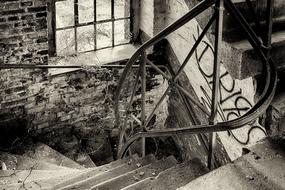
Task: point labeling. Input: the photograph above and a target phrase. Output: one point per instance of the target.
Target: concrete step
(19, 162)
(52, 179)
(173, 177)
(43, 152)
(232, 30)
(262, 168)
(18, 179)
(242, 62)
(81, 157)
(95, 171)
(134, 176)
(97, 178)
(275, 115)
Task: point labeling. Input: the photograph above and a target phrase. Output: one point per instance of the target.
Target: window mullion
(76, 23)
(95, 25)
(113, 21)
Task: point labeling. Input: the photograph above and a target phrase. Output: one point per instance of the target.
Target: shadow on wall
(13, 132)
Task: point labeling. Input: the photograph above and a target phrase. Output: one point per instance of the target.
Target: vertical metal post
(51, 20)
(216, 80)
(143, 90)
(113, 21)
(269, 22)
(95, 24)
(76, 22)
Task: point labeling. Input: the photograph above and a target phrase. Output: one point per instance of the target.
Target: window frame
(51, 18)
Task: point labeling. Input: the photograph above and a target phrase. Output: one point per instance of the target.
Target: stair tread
(19, 162)
(262, 169)
(241, 61)
(277, 38)
(233, 32)
(142, 173)
(174, 177)
(93, 171)
(40, 151)
(12, 179)
(94, 177)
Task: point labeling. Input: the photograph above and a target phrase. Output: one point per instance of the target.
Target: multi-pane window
(87, 25)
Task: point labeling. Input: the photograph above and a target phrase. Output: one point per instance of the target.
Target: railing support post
(143, 91)
(269, 22)
(216, 80)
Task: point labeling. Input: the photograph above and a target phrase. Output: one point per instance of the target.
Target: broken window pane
(122, 31)
(85, 38)
(65, 42)
(103, 9)
(64, 13)
(104, 35)
(86, 11)
(122, 8)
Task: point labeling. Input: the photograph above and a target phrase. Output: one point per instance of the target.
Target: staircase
(128, 173)
(262, 166)
(239, 56)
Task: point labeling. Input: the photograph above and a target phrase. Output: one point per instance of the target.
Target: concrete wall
(147, 17)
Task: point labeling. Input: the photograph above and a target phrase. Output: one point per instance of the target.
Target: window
(88, 25)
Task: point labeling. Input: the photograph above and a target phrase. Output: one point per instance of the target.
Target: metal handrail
(258, 109)
(168, 30)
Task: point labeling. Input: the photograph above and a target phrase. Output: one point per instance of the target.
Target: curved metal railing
(252, 114)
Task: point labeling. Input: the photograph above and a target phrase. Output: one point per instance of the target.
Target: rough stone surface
(262, 168)
(275, 117)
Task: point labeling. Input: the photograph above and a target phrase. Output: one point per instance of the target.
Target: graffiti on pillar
(228, 90)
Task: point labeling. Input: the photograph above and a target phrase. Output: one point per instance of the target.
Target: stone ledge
(99, 57)
(241, 61)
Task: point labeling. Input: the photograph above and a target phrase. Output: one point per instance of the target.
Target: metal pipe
(196, 102)
(76, 22)
(123, 128)
(269, 23)
(216, 80)
(200, 38)
(156, 107)
(33, 66)
(143, 90)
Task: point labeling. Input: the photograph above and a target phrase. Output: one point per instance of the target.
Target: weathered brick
(26, 4)
(28, 30)
(43, 14)
(37, 9)
(42, 40)
(43, 52)
(27, 17)
(28, 55)
(2, 19)
(12, 6)
(12, 12)
(13, 18)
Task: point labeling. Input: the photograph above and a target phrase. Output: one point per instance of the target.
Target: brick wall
(23, 31)
(75, 111)
(72, 112)
(23, 40)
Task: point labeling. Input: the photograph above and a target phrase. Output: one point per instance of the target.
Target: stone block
(242, 62)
